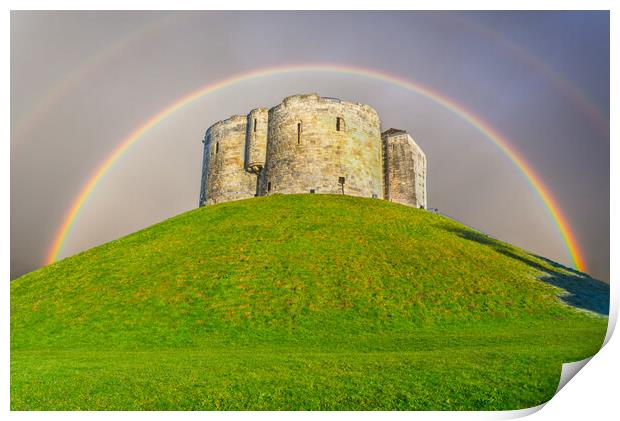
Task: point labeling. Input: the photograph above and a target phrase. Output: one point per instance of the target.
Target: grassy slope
(298, 302)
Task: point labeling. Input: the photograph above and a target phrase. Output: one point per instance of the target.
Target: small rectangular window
(312, 191)
(254, 125)
(217, 147)
(269, 186)
(298, 133)
(338, 124)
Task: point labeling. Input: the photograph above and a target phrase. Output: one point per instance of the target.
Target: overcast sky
(82, 81)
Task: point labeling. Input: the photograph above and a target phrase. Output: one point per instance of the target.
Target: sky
(81, 82)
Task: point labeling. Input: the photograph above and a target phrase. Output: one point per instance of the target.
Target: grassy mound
(300, 302)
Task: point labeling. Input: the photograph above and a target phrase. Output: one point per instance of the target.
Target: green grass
(300, 302)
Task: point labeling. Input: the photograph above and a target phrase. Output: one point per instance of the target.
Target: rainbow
(60, 88)
(553, 210)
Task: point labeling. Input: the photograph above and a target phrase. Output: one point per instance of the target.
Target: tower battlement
(311, 144)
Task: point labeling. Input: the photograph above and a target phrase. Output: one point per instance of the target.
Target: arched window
(339, 124)
(298, 133)
(269, 186)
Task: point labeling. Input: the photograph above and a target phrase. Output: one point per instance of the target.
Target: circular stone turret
(256, 143)
(323, 145)
(225, 158)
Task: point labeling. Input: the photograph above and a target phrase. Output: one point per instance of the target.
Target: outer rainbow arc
(58, 90)
(552, 208)
(573, 93)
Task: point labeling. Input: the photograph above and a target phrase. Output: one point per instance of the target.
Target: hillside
(300, 302)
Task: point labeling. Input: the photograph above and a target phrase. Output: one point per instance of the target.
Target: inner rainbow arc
(542, 191)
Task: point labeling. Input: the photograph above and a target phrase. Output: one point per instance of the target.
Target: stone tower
(256, 140)
(311, 144)
(323, 145)
(224, 175)
(404, 169)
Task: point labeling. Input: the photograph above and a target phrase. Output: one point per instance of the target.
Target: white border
(592, 393)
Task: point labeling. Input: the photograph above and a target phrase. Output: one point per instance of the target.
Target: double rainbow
(553, 210)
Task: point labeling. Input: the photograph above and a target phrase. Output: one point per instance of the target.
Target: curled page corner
(569, 370)
(611, 322)
(519, 413)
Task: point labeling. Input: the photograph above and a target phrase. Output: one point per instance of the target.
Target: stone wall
(225, 150)
(314, 144)
(404, 166)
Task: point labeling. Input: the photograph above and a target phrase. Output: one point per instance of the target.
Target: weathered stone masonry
(404, 169)
(311, 144)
